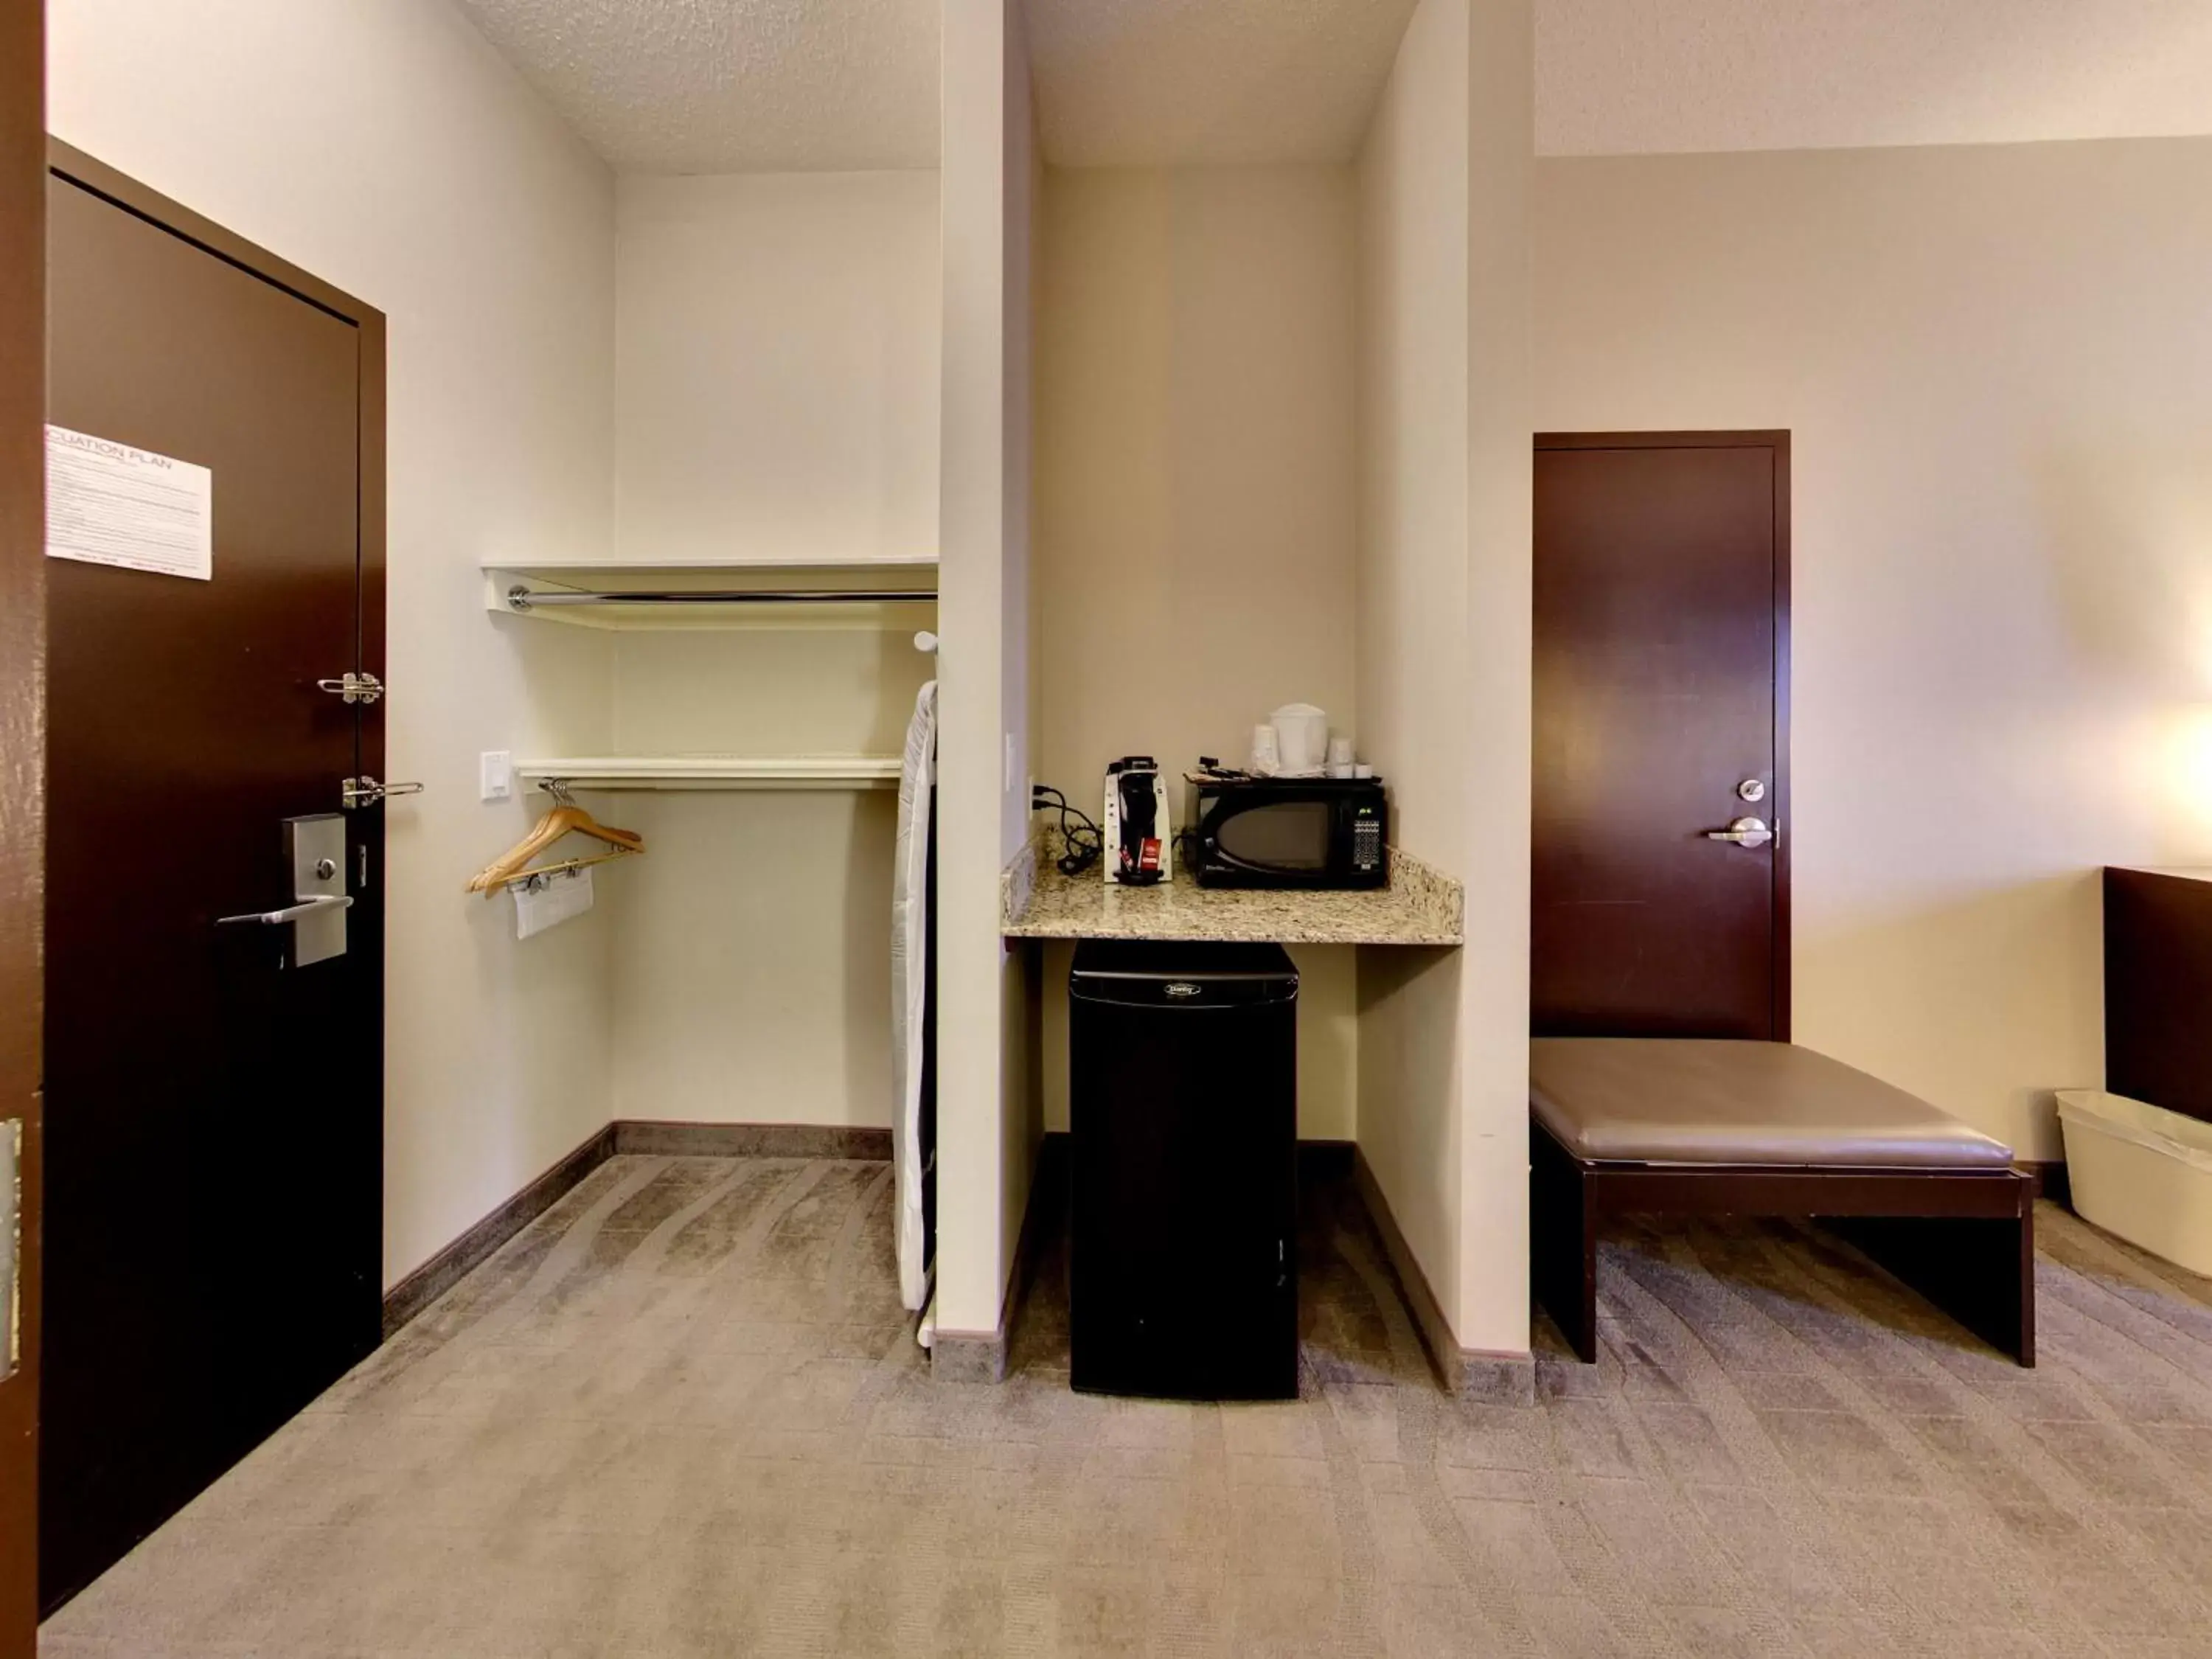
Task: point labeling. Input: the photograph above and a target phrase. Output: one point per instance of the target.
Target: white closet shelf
(816, 772)
(722, 593)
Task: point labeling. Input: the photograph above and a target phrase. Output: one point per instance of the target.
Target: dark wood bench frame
(1965, 1239)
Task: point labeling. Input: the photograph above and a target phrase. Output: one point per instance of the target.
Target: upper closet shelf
(863, 593)
(812, 772)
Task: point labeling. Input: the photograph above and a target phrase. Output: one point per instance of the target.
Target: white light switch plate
(495, 773)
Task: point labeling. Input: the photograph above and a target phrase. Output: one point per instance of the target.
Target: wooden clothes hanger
(566, 818)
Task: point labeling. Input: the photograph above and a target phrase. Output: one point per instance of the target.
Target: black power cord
(1085, 842)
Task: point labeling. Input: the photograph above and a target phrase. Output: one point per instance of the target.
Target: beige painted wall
(777, 349)
(1412, 615)
(330, 135)
(1196, 467)
(1444, 642)
(751, 958)
(1196, 503)
(1492, 1313)
(777, 384)
(751, 947)
(1996, 364)
(987, 1124)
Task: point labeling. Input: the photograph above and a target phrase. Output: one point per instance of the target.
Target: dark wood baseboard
(955, 1356)
(1466, 1373)
(651, 1138)
(969, 1356)
(419, 1289)
(1327, 1160)
(626, 1137)
(981, 1356)
(2051, 1180)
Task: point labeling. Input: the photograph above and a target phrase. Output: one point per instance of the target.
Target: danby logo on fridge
(1180, 987)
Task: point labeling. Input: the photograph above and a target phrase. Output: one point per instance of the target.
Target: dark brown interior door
(1661, 661)
(22, 631)
(214, 1123)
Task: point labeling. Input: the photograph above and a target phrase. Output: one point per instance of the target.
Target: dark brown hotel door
(22, 633)
(1659, 859)
(214, 1022)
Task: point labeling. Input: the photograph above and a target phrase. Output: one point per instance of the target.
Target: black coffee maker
(1140, 842)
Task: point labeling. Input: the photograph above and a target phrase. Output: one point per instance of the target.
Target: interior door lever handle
(306, 907)
(1744, 832)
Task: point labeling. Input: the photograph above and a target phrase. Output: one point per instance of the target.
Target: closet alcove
(776, 372)
(1184, 407)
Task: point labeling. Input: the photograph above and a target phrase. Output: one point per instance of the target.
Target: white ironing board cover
(910, 990)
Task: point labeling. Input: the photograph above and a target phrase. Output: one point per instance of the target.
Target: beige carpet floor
(682, 1415)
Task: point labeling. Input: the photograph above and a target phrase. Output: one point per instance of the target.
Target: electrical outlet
(495, 775)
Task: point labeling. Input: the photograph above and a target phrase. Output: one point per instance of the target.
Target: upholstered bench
(1686, 1126)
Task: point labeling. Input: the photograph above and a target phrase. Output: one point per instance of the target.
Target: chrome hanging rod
(520, 597)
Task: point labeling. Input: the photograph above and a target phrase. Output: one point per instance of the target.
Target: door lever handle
(306, 907)
(1744, 832)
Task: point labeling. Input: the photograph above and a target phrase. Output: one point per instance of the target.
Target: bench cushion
(1695, 1101)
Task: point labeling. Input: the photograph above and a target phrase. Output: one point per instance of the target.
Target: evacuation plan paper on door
(107, 503)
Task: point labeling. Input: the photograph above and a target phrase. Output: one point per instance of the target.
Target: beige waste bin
(2142, 1172)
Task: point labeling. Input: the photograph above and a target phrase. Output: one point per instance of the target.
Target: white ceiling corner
(1208, 82)
(731, 86)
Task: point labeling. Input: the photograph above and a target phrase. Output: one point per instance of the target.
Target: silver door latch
(1744, 832)
(354, 688)
(315, 845)
(368, 792)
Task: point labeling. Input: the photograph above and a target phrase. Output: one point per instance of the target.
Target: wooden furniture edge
(1894, 1215)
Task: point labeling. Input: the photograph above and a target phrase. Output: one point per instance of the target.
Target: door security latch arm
(353, 688)
(368, 792)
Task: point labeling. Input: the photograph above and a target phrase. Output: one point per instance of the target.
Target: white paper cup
(1267, 759)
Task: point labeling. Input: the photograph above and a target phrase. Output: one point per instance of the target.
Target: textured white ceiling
(1633, 75)
(731, 86)
(1157, 82)
(728, 86)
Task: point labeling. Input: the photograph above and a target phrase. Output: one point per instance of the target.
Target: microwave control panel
(1367, 839)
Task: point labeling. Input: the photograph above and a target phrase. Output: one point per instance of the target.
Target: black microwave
(1289, 832)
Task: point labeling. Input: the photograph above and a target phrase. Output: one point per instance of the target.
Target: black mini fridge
(1182, 1255)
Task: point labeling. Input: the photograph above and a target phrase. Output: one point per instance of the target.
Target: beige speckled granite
(1421, 906)
(1019, 877)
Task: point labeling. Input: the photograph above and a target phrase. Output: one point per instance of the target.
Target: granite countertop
(1421, 906)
